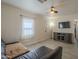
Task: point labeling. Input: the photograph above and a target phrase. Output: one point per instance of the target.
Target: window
(27, 28)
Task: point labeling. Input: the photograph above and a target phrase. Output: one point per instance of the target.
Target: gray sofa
(40, 53)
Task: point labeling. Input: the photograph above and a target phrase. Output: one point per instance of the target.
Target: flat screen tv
(64, 24)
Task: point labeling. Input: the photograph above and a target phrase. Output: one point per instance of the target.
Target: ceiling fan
(53, 7)
(53, 10)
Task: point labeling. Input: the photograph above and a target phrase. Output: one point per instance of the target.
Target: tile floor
(69, 50)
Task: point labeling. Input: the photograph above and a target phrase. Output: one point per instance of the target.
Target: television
(64, 24)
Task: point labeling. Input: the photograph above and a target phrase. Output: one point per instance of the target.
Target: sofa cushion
(36, 53)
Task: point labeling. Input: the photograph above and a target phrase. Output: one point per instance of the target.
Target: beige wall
(70, 18)
(63, 19)
(11, 24)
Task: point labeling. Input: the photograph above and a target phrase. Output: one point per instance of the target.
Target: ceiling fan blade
(55, 11)
(59, 5)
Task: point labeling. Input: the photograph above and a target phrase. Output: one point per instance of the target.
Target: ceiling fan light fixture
(52, 8)
(52, 12)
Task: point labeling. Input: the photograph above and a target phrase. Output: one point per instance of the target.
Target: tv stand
(64, 37)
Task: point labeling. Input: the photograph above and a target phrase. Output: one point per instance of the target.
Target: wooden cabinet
(64, 37)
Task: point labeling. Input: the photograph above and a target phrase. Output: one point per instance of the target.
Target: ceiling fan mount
(42, 1)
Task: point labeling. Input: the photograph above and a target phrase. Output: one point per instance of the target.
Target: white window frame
(30, 30)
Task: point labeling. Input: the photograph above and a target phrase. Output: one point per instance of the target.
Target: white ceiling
(64, 7)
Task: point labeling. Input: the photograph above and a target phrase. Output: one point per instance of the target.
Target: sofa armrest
(55, 54)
